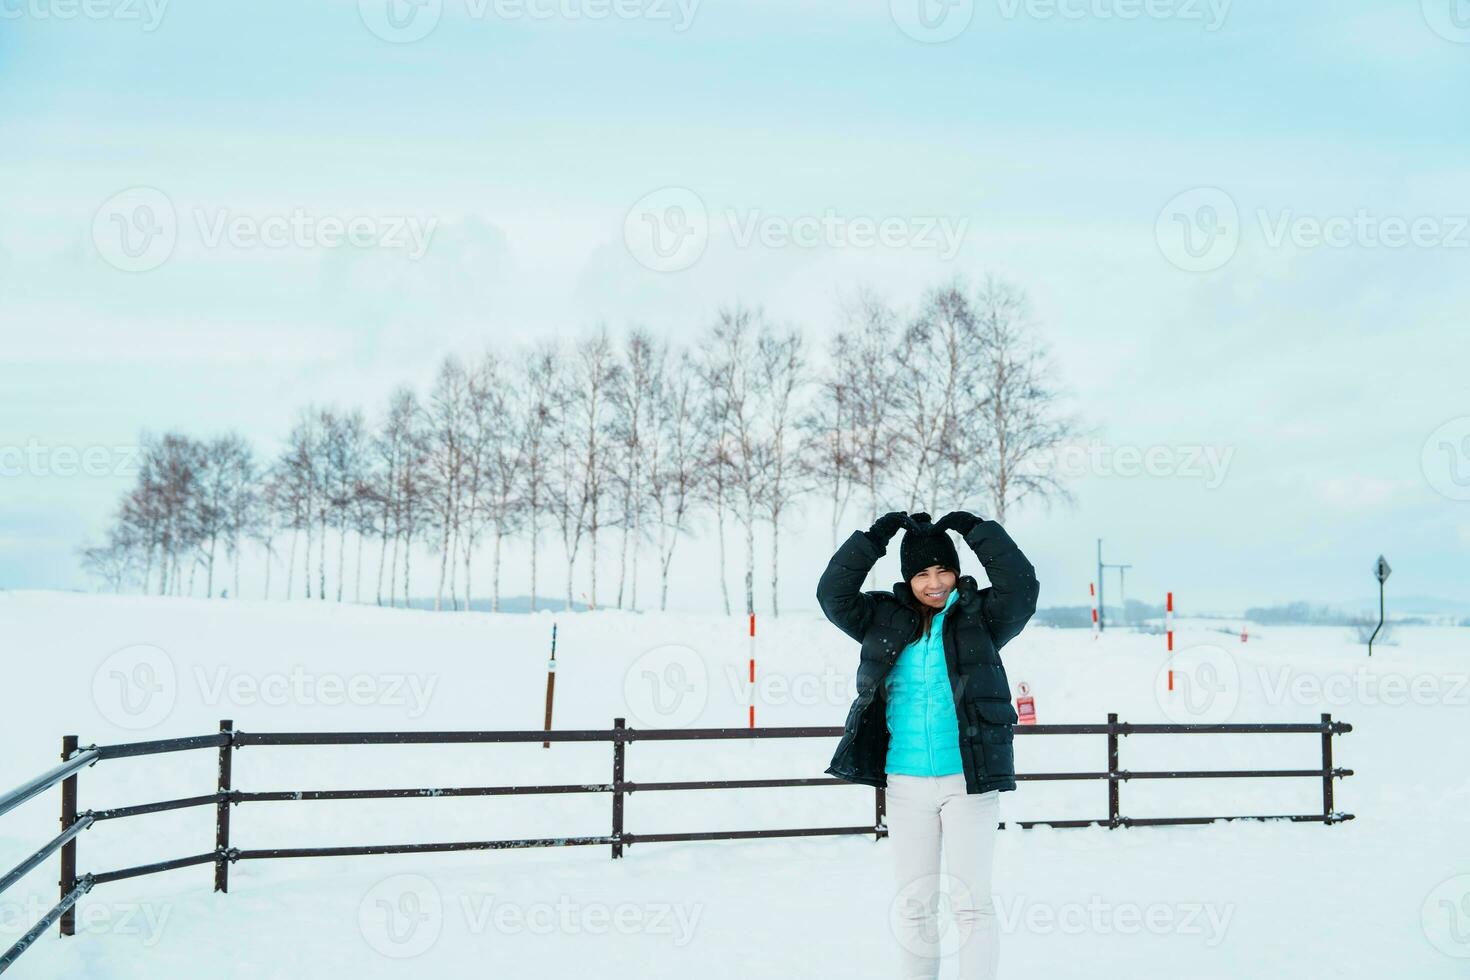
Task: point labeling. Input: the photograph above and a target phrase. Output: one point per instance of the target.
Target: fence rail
(227, 741)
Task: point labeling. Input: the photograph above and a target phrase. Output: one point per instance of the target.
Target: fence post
(1113, 816)
(879, 808)
(1327, 769)
(617, 793)
(69, 849)
(222, 810)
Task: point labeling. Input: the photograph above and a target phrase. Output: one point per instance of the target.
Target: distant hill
(508, 604)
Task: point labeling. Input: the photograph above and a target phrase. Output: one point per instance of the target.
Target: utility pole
(1101, 566)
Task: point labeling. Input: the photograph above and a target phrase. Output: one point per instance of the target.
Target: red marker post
(1169, 632)
(750, 613)
(1092, 591)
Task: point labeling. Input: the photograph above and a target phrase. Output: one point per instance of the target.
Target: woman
(932, 719)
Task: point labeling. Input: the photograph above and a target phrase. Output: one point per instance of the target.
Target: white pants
(927, 815)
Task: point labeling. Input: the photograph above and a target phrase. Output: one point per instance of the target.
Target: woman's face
(932, 586)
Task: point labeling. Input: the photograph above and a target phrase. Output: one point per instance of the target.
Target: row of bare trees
(627, 436)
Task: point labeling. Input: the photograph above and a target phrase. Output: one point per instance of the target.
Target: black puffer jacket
(980, 622)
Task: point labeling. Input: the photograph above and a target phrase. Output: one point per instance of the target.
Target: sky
(1242, 228)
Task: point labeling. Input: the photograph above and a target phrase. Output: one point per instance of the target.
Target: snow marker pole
(550, 682)
(750, 613)
(1092, 591)
(1169, 632)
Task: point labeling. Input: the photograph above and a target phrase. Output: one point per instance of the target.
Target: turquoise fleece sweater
(923, 734)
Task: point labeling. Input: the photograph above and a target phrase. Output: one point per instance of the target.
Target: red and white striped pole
(1169, 632)
(750, 613)
(752, 669)
(1092, 591)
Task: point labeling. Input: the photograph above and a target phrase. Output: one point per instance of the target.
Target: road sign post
(1381, 571)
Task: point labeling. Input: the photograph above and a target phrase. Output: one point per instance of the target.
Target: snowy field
(1384, 895)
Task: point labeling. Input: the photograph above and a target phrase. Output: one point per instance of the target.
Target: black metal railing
(228, 741)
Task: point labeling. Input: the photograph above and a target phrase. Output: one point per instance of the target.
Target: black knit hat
(927, 545)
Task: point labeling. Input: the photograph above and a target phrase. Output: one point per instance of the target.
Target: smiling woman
(941, 740)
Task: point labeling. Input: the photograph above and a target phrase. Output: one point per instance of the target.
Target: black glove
(960, 521)
(885, 527)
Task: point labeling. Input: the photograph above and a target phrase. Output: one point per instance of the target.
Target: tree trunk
(270, 539)
(290, 566)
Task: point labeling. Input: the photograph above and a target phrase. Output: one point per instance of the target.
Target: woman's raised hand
(885, 527)
(960, 521)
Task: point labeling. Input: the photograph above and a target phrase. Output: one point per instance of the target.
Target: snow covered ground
(1384, 895)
